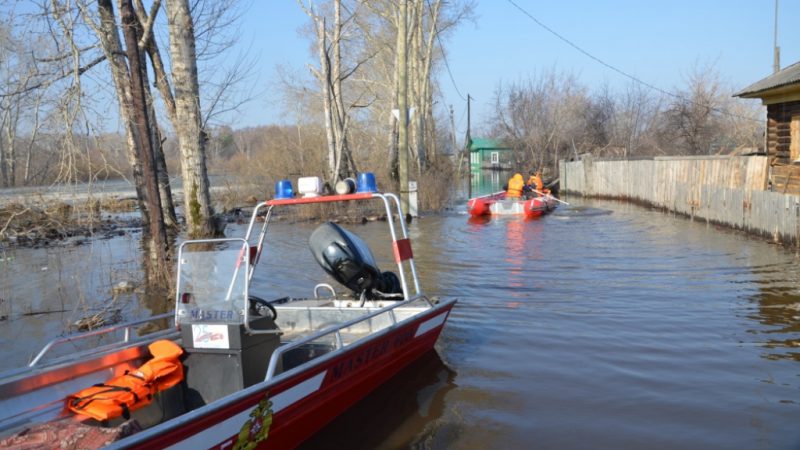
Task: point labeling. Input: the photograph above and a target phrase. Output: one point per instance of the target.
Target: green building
(485, 153)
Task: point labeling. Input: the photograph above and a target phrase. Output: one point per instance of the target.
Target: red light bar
(321, 199)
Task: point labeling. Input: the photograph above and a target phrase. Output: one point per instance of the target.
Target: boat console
(227, 337)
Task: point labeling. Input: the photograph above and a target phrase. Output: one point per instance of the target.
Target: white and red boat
(256, 373)
(499, 204)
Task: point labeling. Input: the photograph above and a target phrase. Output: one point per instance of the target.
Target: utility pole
(402, 105)
(468, 145)
(776, 65)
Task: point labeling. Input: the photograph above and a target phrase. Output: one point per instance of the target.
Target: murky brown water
(603, 325)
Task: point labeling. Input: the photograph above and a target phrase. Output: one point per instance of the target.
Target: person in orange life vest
(515, 186)
(536, 183)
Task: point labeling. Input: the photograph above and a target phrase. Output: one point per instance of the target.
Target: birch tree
(188, 119)
(428, 21)
(330, 77)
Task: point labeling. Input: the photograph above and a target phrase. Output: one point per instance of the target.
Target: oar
(548, 194)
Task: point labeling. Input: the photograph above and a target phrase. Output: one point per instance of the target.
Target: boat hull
(499, 205)
(293, 408)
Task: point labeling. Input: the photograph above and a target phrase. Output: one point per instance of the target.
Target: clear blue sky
(657, 41)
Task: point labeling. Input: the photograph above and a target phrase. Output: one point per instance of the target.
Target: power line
(620, 71)
(444, 55)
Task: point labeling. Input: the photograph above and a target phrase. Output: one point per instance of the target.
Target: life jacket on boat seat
(133, 389)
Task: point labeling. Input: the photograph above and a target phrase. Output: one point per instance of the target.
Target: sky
(658, 42)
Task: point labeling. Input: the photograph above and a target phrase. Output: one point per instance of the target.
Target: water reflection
(488, 181)
(401, 413)
(779, 310)
(601, 323)
(46, 291)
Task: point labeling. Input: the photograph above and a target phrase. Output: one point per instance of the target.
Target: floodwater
(602, 325)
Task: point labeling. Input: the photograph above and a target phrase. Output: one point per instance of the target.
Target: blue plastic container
(366, 182)
(283, 189)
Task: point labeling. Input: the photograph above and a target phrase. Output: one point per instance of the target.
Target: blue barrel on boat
(366, 182)
(283, 189)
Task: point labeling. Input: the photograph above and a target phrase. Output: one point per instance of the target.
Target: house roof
(485, 144)
(781, 79)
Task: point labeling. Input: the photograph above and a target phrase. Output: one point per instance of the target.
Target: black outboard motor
(347, 258)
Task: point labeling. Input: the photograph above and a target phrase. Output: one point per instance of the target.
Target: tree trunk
(324, 78)
(11, 145)
(110, 42)
(426, 97)
(31, 141)
(394, 169)
(157, 231)
(3, 178)
(188, 124)
(3, 167)
(164, 188)
(343, 150)
(162, 83)
(402, 103)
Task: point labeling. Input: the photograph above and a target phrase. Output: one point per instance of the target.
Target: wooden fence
(730, 191)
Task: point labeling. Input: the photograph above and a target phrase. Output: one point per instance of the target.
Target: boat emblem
(256, 429)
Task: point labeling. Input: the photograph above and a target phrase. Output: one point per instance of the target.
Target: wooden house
(487, 153)
(780, 92)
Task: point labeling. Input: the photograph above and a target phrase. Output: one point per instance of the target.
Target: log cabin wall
(780, 145)
(783, 146)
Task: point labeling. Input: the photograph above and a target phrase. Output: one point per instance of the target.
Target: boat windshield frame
(222, 287)
(248, 256)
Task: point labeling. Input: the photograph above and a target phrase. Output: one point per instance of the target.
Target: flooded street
(602, 325)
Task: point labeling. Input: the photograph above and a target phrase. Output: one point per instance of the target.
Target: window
(496, 157)
(794, 139)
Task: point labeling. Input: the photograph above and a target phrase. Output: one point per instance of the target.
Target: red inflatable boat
(498, 204)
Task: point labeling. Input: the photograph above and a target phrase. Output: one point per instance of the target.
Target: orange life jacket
(133, 389)
(515, 185)
(536, 182)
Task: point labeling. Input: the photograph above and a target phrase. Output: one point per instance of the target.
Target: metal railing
(127, 337)
(336, 330)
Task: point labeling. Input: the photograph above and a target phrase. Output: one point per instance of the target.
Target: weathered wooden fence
(730, 191)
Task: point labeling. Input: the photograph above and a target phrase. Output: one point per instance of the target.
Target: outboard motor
(347, 258)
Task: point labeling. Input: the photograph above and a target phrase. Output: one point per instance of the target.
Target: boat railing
(401, 246)
(126, 327)
(336, 330)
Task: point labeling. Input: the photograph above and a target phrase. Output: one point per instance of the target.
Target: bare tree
(188, 119)
(428, 21)
(703, 118)
(141, 118)
(539, 117)
(330, 75)
(693, 115)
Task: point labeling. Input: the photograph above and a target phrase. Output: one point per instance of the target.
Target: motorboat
(246, 369)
